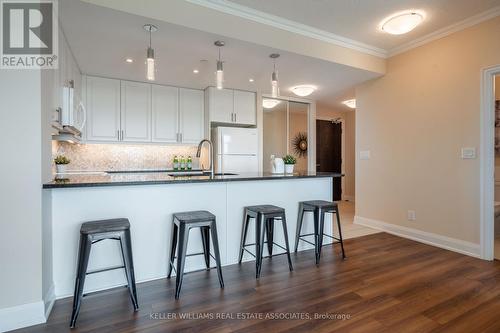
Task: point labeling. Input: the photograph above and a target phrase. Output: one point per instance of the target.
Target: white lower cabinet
(191, 114)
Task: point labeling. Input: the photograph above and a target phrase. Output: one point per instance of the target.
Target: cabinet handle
(122, 135)
(235, 117)
(118, 134)
(180, 137)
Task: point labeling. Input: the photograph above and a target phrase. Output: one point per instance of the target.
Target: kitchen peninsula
(149, 199)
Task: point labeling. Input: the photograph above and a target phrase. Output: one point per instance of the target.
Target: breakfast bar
(149, 199)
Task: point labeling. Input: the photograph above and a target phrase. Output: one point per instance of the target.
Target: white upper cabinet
(191, 112)
(221, 105)
(165, 108)
(135, 111)
(231, 106)
(103, 109)
(244, 107)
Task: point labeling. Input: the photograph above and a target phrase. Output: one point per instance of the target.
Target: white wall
(21, 195)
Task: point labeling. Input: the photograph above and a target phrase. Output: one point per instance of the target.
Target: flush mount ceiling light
(303, 90)
(150, 54)
(275, 90)
(350, 103)
(196, 71)
(402, 22)
(219, 75)
(129, 60)
(269, 103)
(250, 80)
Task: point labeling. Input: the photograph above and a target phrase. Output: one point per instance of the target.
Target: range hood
(69, 120)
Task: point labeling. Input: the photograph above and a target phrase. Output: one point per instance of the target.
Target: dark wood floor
(387, 284)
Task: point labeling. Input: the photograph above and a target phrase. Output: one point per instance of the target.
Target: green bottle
(183, 163)
(189, 163)
(176, 163)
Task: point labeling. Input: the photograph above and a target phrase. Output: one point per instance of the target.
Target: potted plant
(289, 163)
(61, 162)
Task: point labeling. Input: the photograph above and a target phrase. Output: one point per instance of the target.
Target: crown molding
(232, 8)
(468, 22)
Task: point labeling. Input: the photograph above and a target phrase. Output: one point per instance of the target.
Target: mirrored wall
(285, 131)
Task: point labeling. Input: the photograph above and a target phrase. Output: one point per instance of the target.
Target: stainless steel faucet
(210, 152)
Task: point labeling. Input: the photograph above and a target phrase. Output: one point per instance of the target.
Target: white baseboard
(452, 244)
(22, 316)
(49, 299)
(349, 198)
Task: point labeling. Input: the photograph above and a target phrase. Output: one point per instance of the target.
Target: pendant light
(219, 75)
(275, 90)
(150, 54)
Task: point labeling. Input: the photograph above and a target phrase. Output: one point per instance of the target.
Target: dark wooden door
(329, 152)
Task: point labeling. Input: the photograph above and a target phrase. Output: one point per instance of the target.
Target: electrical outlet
(412, 215)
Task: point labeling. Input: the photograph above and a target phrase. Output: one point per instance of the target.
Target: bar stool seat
(265, 216)
(91, 233)
(319, 208)
(182, 223)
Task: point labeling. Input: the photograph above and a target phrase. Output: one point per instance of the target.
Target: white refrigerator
(235, 150)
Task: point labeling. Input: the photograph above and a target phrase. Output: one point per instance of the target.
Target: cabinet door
(103, 109)
(244, 107)
(191, 115)
(165, 109)
(135, 111)
(221, 105)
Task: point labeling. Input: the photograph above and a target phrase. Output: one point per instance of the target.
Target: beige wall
(415, 120)
(349, 118)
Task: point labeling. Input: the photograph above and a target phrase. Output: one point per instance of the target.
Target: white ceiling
(359, 19)
(102, 38)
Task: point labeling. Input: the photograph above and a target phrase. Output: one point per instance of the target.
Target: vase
(289, 168)
(61, 168)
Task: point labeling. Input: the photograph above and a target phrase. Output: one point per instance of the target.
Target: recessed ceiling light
(303, 90)
(196, 71)
(129, 60)
(250, 80)
(402, 22)
(350, 103)
(269, 103)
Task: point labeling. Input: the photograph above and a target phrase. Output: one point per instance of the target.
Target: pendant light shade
(219, 74)
(275, 90)
(150, 54)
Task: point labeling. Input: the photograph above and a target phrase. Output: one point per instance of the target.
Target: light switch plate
(364, 155)
(468, 153)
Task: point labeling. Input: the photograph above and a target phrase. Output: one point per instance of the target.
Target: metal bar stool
(265, 216)
(182, 224)
(319, 208)
(94, 232)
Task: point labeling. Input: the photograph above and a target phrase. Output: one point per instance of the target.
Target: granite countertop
(164, 177)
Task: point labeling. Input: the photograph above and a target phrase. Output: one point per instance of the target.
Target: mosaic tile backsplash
(107, 157)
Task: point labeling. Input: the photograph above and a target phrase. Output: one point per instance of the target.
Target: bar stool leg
(173, 245)
(285, 232)
(300, 218)
(215, 242)
(83, 261)
(126, 246)
(340, 233)
(316, 235)
(259, 242)
(321, 232)
(181, 258)
(270, 235)
(244, 230)
(205, 239)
